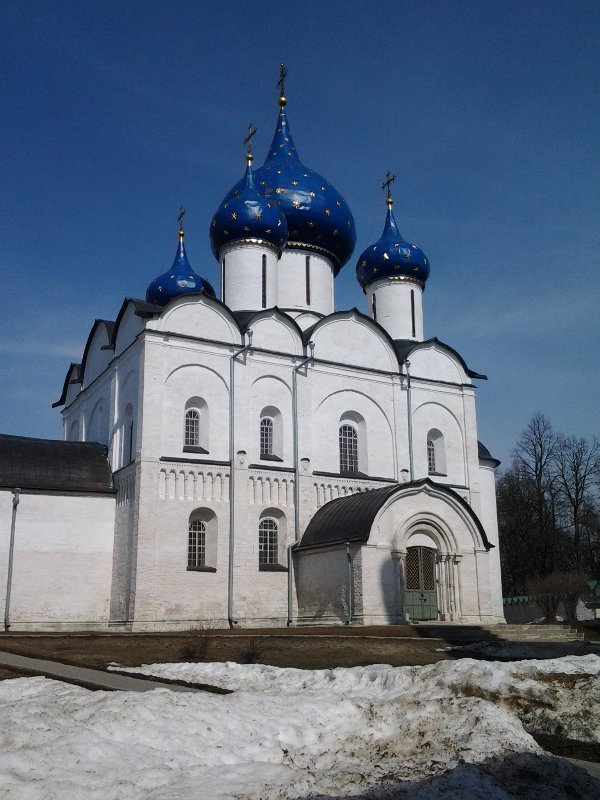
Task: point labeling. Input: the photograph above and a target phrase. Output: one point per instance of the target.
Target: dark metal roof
(485, 455)
(403, 348)
(54, 465)
(350, 519)
(73, 376)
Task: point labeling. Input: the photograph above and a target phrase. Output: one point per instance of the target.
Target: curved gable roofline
(404, 347)
(109, 327)
(245, 319)
(347, 314)
(141, 309)
(210, 300)
(351, 518)
(72, 376)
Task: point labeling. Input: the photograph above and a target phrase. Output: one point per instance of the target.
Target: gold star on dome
(294, 183)
(385, 255)
(279, 190)
(246, 228)
(278, 223)
(306, 174)
(225, 205)
(327, 212)
(262, 183)
(310, 223)
(322, 188)
(296, 203)
(268, 230)
(312, 194)
(233, 215)
(257, 213)
(338, 203)
(363, 263)
(273, 153)
(285, 139)
(226, 233)
(348, 223)
(335, 233)
(214, 223)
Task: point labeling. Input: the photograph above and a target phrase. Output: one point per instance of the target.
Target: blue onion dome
(392, 257)
(245, 215)
(318, 217)
(180, 279)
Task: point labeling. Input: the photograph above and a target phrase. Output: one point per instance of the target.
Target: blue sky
(116, 113)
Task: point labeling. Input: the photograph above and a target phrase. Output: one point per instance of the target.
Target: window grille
(348, 449)
(266, 436)
(430, 456)
(192, 428)
(268, 545)
(197, 543)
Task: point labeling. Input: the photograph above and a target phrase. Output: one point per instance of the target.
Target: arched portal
(420, 594)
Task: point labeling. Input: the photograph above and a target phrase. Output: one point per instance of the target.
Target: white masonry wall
(62, 566)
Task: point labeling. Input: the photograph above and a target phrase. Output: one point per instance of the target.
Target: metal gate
(420, 596)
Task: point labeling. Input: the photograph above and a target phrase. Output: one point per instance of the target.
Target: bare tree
(534, 456)
(577, 463)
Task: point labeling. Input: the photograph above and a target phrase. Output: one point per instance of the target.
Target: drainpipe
(290, 563)
(11, 550)
(349, 556)
(303, 363)
(234, 355)
(409, 414)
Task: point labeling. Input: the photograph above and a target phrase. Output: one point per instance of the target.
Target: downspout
(409, 415)
(11, 550)
(303, 363)
(234, 355)
(290, 564)
(290, 561)
(349, 556)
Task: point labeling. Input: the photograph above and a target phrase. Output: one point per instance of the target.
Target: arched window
(197, 544)
(436, 453)
(268, 542)
(348, 441)
(128, 448)
(430, 456)
(195, 426)
(202, 541)
(271, 434)
(192, 427)
(266, 437)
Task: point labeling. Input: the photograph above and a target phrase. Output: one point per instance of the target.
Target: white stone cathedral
(259, 459)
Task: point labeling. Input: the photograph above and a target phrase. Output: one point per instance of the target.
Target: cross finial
(281, 84)
(387, 184)
(180, 217)
(248, 141)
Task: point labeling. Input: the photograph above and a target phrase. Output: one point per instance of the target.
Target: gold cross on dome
(282, 76)
(387, 184)
(248, 141)
(180, 217)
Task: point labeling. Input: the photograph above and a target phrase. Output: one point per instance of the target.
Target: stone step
(511, 633)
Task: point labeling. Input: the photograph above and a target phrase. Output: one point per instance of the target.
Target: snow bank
(451, 729)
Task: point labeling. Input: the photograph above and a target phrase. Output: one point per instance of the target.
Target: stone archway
(421, 585)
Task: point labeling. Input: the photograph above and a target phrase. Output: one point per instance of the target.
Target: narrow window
(430, 457)
(264, 281)
(223, 280)
(307, 280)
(412, 311)
(192, 428)
(374, 306)
(266, 437)
(197, 544)
(348, 439)
(267, 542)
